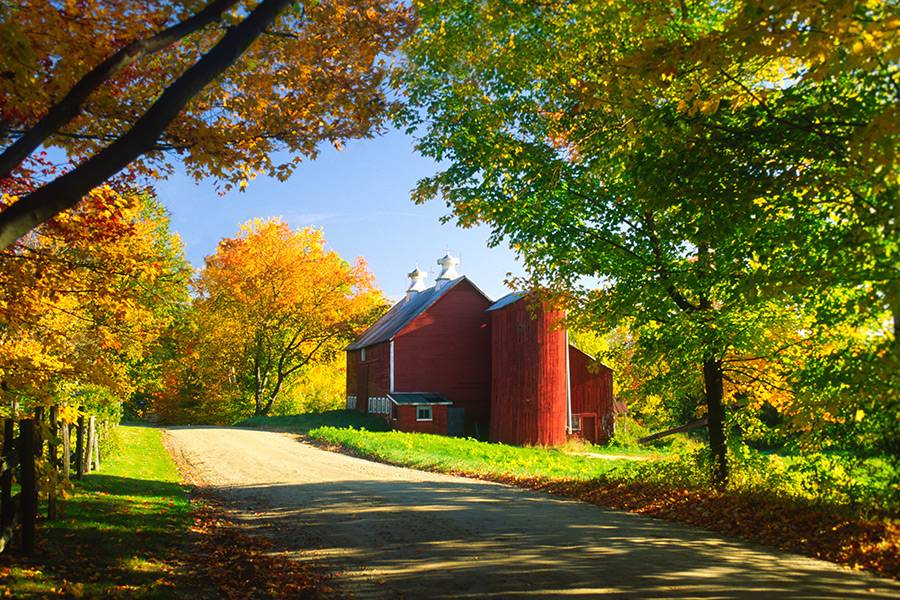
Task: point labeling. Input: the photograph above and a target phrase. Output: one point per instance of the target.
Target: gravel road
(398, 533)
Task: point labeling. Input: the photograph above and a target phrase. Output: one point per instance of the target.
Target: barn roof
(417, 398)
(402, 313)
(506, 301)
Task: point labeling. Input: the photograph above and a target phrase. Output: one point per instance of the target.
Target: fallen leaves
(239, 565)
(867, 544)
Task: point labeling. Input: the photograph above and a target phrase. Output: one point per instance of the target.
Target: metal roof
(401, 314)
(506, 301)
(418, 398)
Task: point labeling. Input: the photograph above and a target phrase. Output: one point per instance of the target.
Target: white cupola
(448, 265)
(417, 282)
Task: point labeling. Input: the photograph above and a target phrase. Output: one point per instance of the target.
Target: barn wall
(378, 369)
(592, 393)
(447, 350)
(528, 383)
(406, 420)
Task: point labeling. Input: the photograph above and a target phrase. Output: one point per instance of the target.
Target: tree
(680, 155)
(83, 297)
(223, 86)
(271, 302)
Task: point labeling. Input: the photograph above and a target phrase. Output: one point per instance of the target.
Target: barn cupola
(417, 282)
(448, 265)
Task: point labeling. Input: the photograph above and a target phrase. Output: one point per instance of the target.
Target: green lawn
(304, 423)
(459, 455)
(861, 487)
(118, 534)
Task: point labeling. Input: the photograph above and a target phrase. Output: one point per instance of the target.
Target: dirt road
(399, 533)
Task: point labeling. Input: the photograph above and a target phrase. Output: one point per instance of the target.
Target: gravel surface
(391, 532)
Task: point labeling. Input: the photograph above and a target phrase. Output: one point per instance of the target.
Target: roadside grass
(576, 446)
(117, 533)
(303, 423)
(131, 531)
(814, 510)
(467, 456)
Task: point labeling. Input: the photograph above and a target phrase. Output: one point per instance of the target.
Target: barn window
(362, 354)
(423, 413)
(576, 422)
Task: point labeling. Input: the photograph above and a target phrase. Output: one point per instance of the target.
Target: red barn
(528, 381)
(445, 360)
(426, 364)
(590, 382)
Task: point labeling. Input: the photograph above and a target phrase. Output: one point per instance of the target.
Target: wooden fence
(19, 462)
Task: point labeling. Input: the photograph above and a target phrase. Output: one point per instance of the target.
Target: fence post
(96, 431)
(29, 482)
(54, 462)
(79, 447)
(67, 450)
(6, 506)
(90, 444)
(38, 432)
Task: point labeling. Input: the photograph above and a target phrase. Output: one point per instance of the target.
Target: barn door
(455, 421)
(589, 428)
(362, 389)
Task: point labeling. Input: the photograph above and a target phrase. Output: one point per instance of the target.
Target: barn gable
(446, 349)
(403, 312)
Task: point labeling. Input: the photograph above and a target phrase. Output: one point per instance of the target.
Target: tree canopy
(85, 298)
(223, 85)
(271, 302)
(722, 177)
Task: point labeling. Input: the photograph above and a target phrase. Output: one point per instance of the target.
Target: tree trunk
(274, 395)
(712, 378)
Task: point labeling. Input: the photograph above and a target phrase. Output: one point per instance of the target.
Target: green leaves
(726, 172)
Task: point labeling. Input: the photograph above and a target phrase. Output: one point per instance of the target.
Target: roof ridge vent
(448, 264)
(417, 282)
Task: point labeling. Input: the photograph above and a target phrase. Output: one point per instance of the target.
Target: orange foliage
(77, 296)
(271, 303)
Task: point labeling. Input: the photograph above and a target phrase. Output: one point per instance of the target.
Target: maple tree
(271, 302)
(726, 171)
(84, 297)
(120, 85)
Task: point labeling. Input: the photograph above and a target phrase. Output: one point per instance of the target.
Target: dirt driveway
(398, 533)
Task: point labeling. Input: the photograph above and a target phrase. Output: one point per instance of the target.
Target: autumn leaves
(273, 307)
(97, 293)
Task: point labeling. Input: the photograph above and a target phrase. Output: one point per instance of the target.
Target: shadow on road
(471, 540)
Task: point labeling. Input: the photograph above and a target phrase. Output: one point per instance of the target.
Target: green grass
(118, 532)
(459, 455)
(304, 423)
(861, 488)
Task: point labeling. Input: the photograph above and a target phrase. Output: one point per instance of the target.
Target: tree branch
(70, 106)
(66, 191)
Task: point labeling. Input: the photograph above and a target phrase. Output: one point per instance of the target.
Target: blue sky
(360, 198)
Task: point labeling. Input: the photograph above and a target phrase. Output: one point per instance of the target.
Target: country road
(398, 533)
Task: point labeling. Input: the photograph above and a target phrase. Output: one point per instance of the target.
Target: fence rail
(18, 461)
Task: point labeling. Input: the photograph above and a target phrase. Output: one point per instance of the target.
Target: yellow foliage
(74, 300)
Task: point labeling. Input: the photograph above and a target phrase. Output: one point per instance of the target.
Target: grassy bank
(304, 423)
(466, 456)
(765, 503)
(130, 531)
(117, 533)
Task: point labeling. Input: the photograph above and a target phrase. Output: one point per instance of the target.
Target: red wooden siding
(591, 390)
(528, 383)
(447, 350)
(406, 420)
(377, 368)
